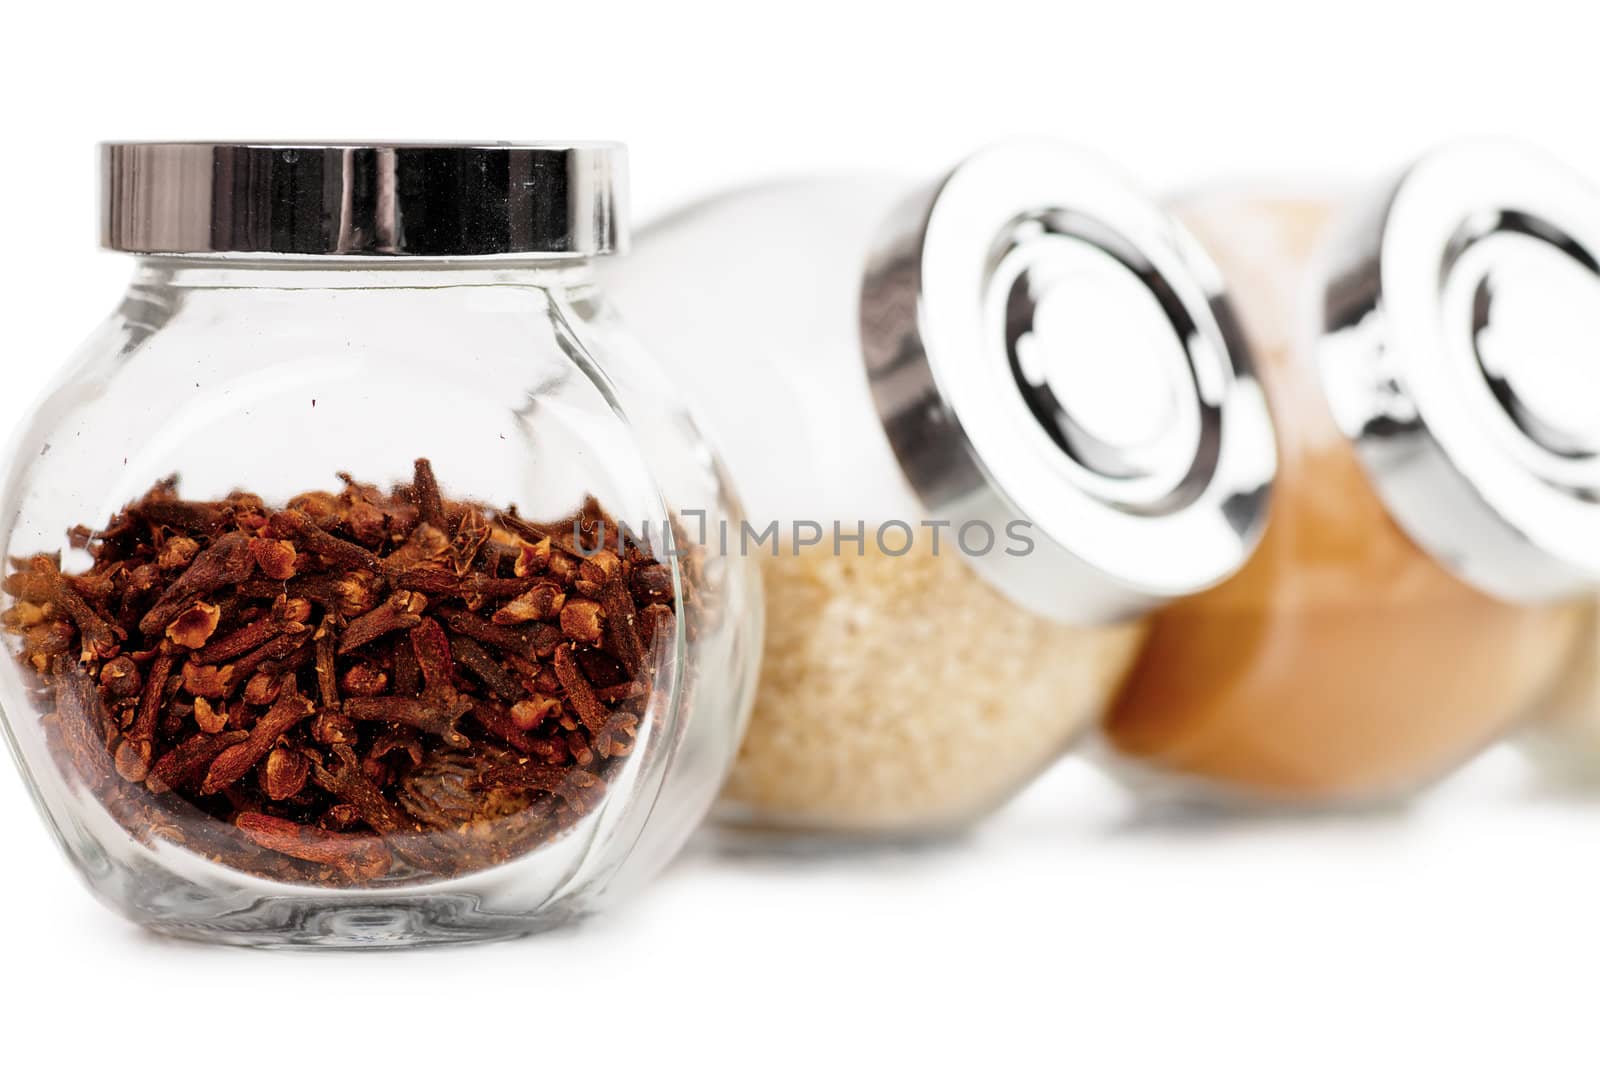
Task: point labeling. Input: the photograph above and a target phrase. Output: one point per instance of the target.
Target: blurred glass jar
(1439, 503)
(1564, 739)
(482, 710)
(982, 427)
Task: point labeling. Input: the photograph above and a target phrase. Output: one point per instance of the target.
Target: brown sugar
(1342, 662)
(903, 695)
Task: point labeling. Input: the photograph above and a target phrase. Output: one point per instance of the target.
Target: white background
(1074, 926)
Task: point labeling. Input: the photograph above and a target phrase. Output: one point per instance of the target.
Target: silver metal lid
(1046, 346)
(436, 200)
(1461, 354)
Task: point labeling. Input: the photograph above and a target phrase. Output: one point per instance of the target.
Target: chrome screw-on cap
(436, 200)
(1046, 346)
(1461, 355)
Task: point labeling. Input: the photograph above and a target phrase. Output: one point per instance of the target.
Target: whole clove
(357, 688)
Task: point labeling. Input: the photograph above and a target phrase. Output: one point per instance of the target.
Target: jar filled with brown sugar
(1428, 366)
(982, 427)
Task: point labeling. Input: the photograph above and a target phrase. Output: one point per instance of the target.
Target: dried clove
(400, 612)
(234, 763)
(332, 691)
(358, 857)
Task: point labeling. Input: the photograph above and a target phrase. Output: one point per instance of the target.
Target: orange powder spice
(1342, 662)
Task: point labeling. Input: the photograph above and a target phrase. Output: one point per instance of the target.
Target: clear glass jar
(982, 427)
(1564, 738)
(303, 688)
(1425, 352)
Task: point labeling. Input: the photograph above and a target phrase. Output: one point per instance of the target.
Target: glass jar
(1438, 507)
(1564, 738)
(347, 596)
(982, 427)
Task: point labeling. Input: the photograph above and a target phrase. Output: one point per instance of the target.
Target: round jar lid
(437, 200)
(1461, 354)
(1054, 356)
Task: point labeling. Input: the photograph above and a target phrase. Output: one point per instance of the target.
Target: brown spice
(210, 720)
(359, 686)
(905, 695)
(357, 857)
(194, 625)
(1342, 662)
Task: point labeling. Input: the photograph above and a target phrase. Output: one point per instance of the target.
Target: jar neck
(220, 272)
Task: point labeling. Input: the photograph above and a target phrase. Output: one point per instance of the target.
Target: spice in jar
(1387, 628)
(290, 308)
(1026, 344)
(359, 687)
(859, 729)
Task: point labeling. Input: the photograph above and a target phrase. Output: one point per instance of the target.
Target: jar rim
(369, 200)
(1454, 311)
(1030, 284)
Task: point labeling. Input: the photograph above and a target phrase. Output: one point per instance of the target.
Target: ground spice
(1342, 662)
(902, 694)
(358, 687)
